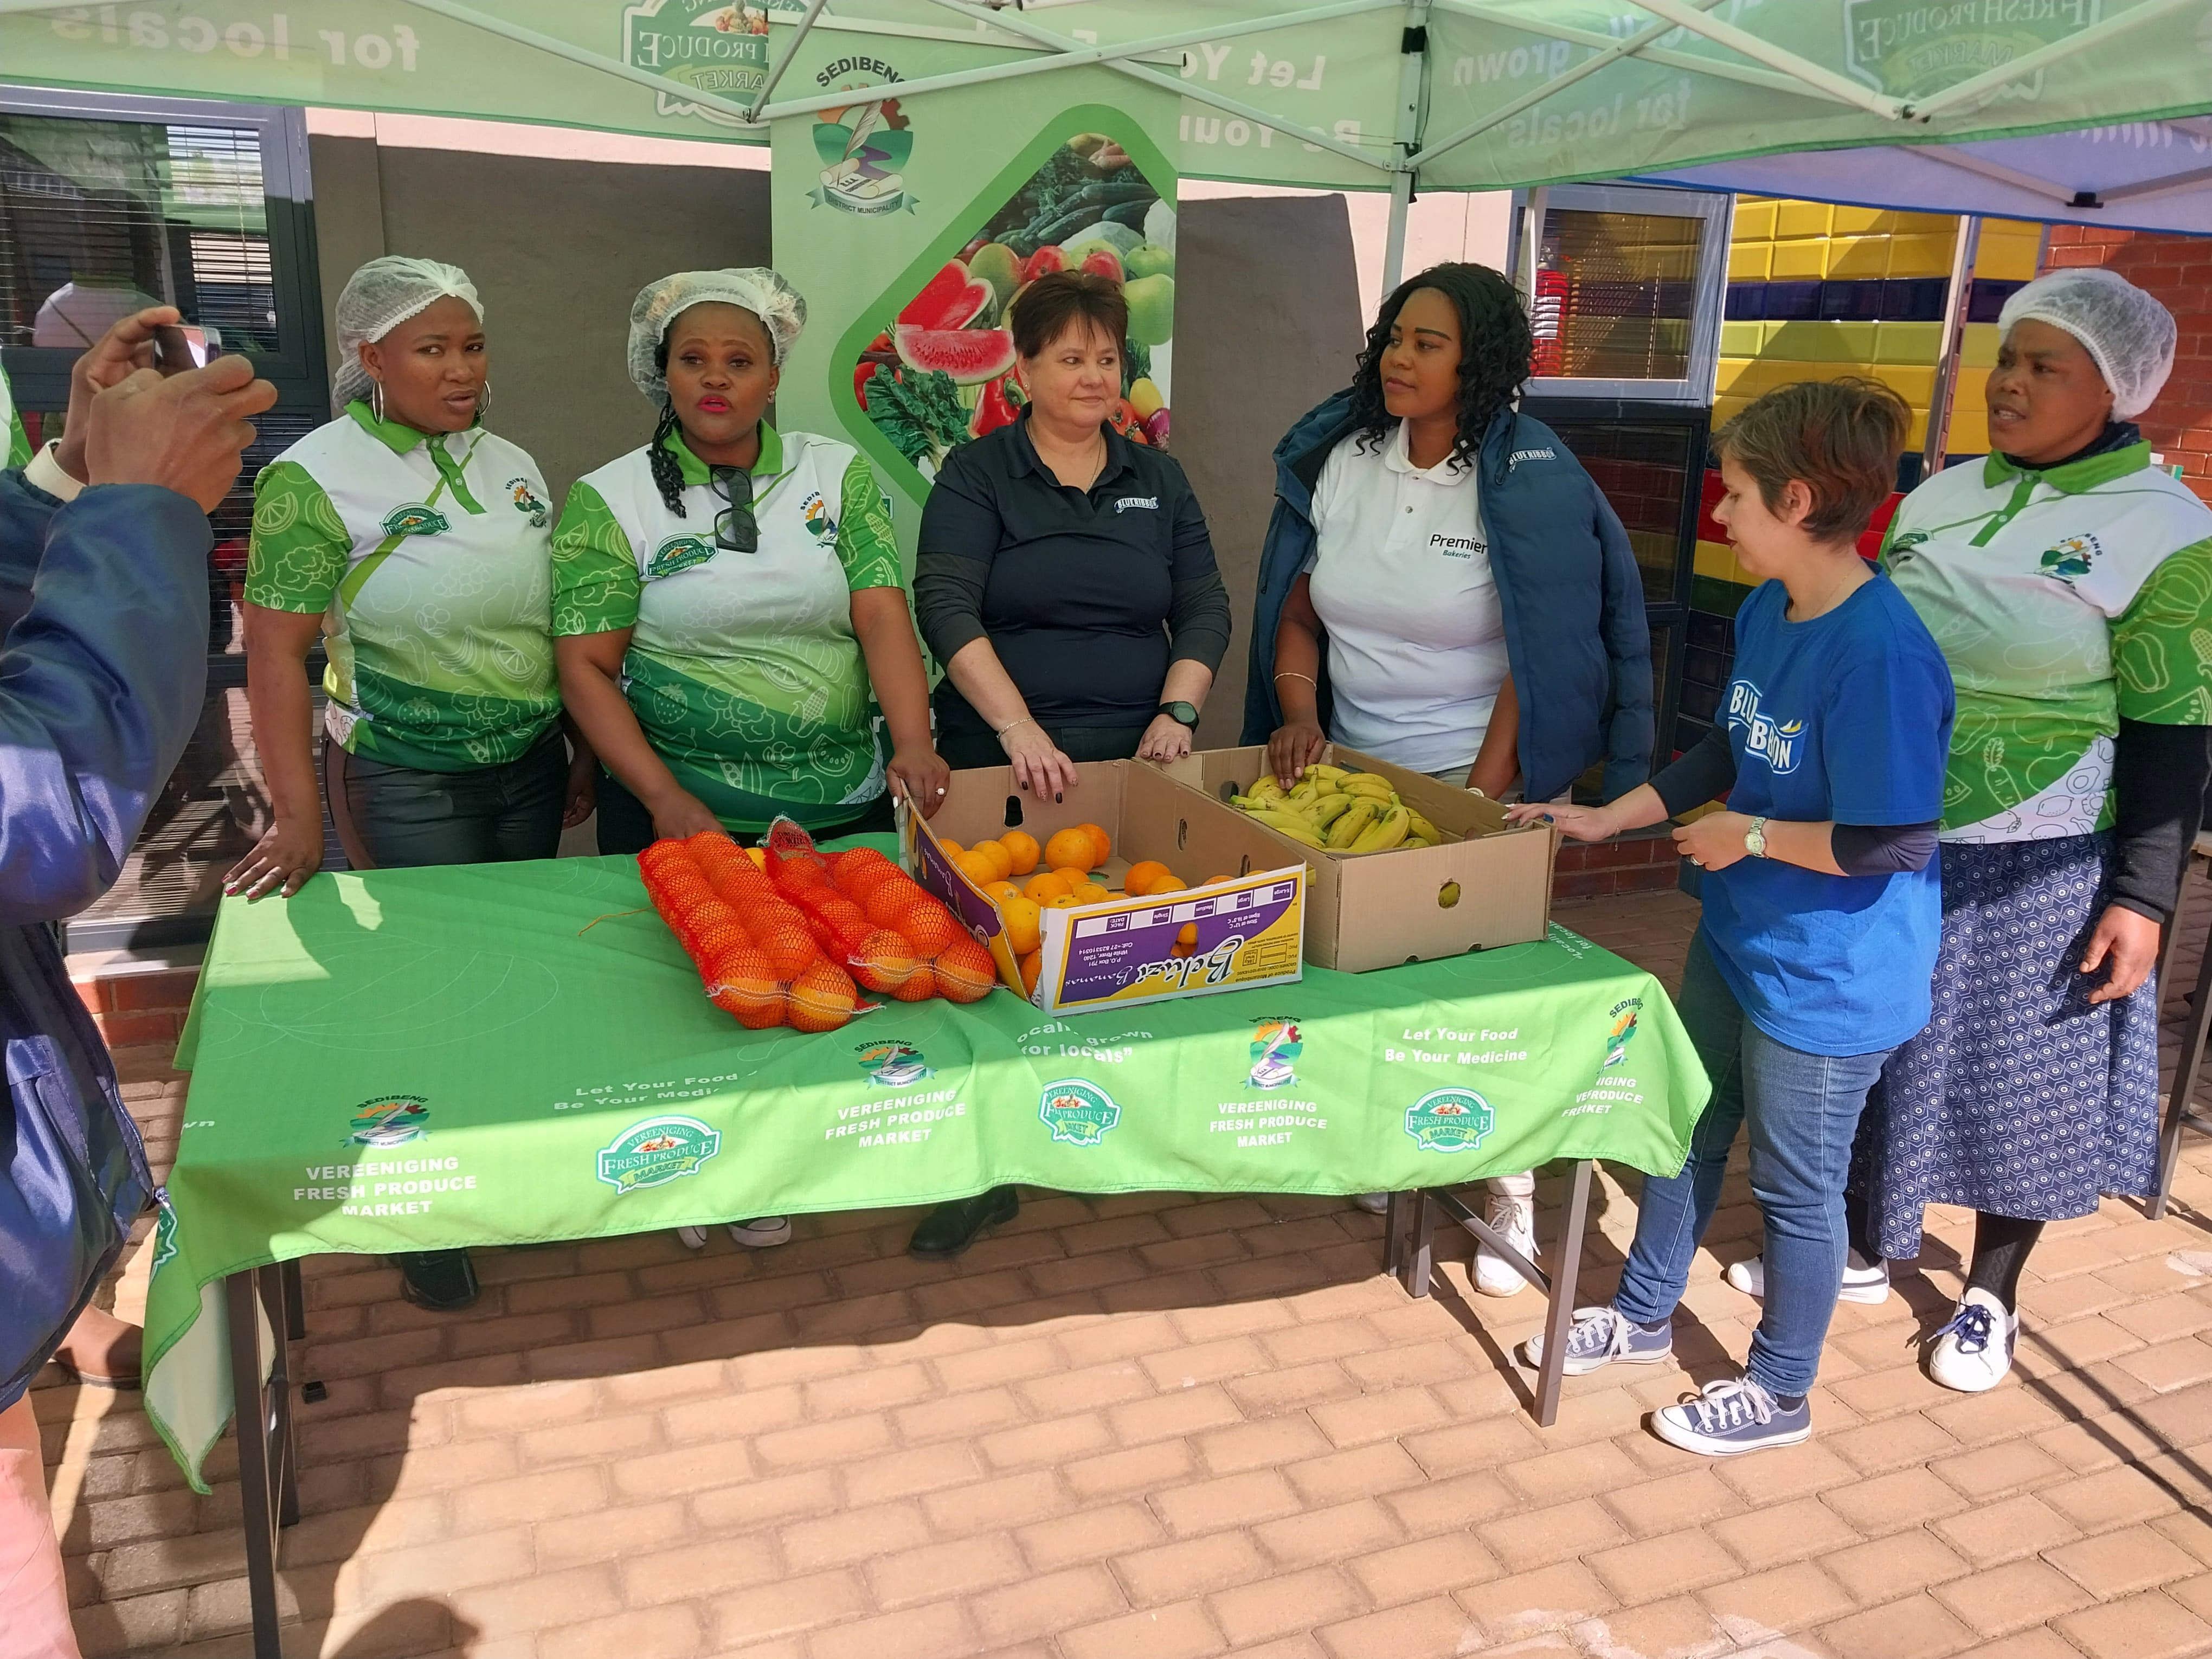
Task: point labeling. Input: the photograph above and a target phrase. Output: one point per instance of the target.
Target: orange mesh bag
(876, 957)
(928, 926)
(891, 900)
(744, 985)
(791, 949)
(848, 863)
(920, 986)
(820, 1000)
(964, 972)
(792, 860)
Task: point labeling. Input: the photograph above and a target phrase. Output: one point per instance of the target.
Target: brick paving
(1161, 1426)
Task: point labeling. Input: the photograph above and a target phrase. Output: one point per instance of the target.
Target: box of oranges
(1131, 888)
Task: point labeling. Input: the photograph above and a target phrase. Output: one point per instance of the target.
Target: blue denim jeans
(1802, 1110)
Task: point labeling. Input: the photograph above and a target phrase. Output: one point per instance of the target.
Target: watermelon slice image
(951, 299)
(969, 356)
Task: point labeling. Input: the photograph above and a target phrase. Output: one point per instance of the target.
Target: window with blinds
(1619, 291)
(108, 206)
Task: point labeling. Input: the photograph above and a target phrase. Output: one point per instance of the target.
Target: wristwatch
(1183, 714)
(1754, 839)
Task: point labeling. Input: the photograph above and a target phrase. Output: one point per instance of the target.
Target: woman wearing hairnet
(2068, 582)
(729, 604)
(418, 547)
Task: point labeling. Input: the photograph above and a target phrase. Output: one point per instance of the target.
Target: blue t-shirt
(1845, 717)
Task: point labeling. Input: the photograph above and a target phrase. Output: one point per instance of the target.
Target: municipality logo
(1077, 1112)
(656, 1151)
(678, 553)
(415, 519)
(863, 146)
(526, 502)
(894, 1064)
(2072, 558)
(1624, 1030)
(1909, 48)
(814, 513)
(1449, 1120)
(1276, 1047)
(390, 1121)
(705, 46)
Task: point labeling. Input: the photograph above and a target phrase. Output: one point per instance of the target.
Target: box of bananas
(1339, 810)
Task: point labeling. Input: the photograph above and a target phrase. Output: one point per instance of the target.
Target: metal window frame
(40, 373)
(1713, 208)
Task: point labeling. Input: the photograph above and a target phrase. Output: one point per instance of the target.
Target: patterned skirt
(2019, 1099)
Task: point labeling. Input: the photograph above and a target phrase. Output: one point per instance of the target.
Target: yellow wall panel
(1970, 431)
(1858, 256)
(1860, 221)
(1920, 255)
(2008, 259)
(1925, 224)
(1804, 259)
(1907, 343)
(1750, 262)
(1973, 391)
(1717, 560)
(1916, 437)
(1916, 385)
(1801, 218)
(1977, 344)
(1742, 339)
(1755, 220)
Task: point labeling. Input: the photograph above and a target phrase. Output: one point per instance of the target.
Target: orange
(1189, 934)
(1210, 880)
(920, 986)
(999, 891)
(1022, 847)
(1180, 949)
(1071, 849)
(820, 1000)
(978, 868)
(1142, 875)
(1045, 886)
(889, 901)
(999, 856)
(1062, 902)
(882, 960)
(1032, 965)
(965, 972)
(1168, 884)
(1090, 893)
(928, 926)
(743, 985)
(710, 943)
(1101, 843)
(859, 882)
(953, 849)
(758, 855)
(1021, 917)
(791, 951)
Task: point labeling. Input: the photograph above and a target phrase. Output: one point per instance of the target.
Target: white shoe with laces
(1516, 1219)
(1862, 1282)
(761, 1233)
(1973, 1351)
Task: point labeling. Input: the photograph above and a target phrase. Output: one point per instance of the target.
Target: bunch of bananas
(1338, 812)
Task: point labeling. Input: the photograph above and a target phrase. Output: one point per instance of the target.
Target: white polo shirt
(1402, 580)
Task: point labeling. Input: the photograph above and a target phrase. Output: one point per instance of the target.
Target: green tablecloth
(493, 1055)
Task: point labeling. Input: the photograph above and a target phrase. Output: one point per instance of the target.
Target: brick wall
(134, 1004)
(2179, 270)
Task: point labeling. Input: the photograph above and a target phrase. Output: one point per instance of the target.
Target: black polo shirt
(1086, 595)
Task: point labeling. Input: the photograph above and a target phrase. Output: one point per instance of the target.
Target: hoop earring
(483, 401)
(376, 400)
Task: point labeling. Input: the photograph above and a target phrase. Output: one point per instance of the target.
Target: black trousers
(965, 749)
(395, 817)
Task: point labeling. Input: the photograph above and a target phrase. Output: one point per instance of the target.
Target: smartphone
(180, 346)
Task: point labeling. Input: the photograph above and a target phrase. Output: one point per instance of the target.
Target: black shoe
(950, 1229)
(444, 1281)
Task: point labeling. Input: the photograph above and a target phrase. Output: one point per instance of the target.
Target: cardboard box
(1373, 910)
(1231, 935)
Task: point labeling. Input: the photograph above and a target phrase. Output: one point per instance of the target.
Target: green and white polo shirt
(431, 557)
(744, 669)
(2063, 601)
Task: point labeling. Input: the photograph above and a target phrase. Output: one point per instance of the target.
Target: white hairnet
(754, 288)
(2128, 334)
(379, 297)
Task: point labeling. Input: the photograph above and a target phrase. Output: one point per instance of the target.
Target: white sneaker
(1515, 1218)
(761, 1233)
(1373, 1203)
(1974, 1350)
(1862, 1283)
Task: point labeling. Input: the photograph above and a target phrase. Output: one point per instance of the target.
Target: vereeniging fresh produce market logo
(1450, 1120)
(1910, 48)
(416, 519)
(708, 46)
(675, 554)
(893, 1064)
(1077, 1112)
(390, 1121)
(864, 145)
(658, 1150)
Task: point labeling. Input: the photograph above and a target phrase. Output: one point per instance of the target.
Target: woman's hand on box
(1575, 823)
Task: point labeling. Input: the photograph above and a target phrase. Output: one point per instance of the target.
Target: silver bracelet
(1011, 724)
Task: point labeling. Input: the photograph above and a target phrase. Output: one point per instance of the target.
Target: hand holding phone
(179, 347)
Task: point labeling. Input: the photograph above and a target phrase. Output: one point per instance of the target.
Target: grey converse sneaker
(1732, 1416)
(1598, 1337)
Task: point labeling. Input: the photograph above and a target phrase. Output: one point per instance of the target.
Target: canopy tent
(1971, 105)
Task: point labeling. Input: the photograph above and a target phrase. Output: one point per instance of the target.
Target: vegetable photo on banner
(940, 371)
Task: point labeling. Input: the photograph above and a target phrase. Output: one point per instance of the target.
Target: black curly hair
(1495, 348)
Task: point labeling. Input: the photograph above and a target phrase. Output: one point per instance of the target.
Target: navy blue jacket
(103, 664)
(1567, 581)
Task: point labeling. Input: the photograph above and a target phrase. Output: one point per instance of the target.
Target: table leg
(295, 1301)
(2179, 1115)
(1397, 1223)
(1566, 1274)
(262, 1420)
(1417, 1253)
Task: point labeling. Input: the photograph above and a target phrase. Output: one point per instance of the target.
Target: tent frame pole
(1413, 76)
(783, 59)
(1744, 43)
(1629, 48)
(1076, 55)
(1963, 250)
(1592, 38)
(553, 46)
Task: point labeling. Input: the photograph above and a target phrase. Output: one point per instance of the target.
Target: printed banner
(507, 1053)
(911, 225)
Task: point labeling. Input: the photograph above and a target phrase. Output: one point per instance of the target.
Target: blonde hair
(1841, 438)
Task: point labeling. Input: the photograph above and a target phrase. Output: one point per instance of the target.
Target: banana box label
(1232, 936)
